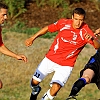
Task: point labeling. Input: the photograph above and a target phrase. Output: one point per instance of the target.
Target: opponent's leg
(77, 86)
(35, 89)
(80, 83)
(51, 93)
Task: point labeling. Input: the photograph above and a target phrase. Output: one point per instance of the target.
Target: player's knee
(34, 82)
(56, 85)
(55, 88)
(87, 78)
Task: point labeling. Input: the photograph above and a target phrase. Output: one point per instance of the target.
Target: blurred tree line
(17, 7)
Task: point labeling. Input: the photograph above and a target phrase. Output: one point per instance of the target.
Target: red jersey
(1, 43)
(68, 43)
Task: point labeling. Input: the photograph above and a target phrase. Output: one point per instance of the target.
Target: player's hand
(29, 42)
(97, 32)
(88, 36)
(22, 57)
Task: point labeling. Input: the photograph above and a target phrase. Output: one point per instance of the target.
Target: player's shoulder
(64, 20)
(84, 25)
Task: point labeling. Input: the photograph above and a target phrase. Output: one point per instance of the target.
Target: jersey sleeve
(56, 26)
(1, 42)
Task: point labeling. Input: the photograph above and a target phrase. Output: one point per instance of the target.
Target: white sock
(47, 96)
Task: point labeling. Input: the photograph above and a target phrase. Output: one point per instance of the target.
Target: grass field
(16, 74)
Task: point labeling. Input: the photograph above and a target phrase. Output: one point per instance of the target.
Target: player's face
(3, 15)
(77, 20)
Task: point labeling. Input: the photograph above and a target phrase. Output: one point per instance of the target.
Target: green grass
(16, 74)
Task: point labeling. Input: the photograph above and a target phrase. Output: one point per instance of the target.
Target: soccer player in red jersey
(3, 48)
(73, 35)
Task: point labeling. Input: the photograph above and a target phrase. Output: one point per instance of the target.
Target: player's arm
(94, 39)
(6, 51)
(97, 32)
(91, 37)
(96, 43)
(43, 31)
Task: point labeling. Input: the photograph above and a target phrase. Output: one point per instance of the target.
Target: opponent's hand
(88, 36)
(21, 57)
(97, 32)
(29, 42)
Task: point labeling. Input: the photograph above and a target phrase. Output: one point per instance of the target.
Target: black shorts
(94, 64)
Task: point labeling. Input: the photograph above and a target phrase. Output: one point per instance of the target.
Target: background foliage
(17, 7)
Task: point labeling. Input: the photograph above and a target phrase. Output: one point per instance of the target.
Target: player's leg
(81, 82)
(51, 93)
(40, 73)
(35, 89)
(60, 77)
(86, 75)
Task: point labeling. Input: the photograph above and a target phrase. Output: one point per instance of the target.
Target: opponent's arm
(43, 31)
(6, 51)
(96, 43)
(94, 39)
(97, 32)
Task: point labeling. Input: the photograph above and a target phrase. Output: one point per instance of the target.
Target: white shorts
(60, 76)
